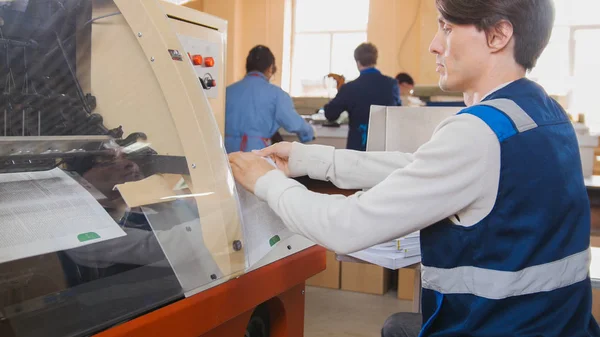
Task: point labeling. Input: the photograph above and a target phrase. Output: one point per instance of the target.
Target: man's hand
(279, 153)
(248, 168)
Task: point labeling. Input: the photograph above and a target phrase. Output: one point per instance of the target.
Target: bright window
(568, 66)
(324, 42)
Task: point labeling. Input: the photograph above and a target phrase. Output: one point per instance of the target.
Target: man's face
(462, 53)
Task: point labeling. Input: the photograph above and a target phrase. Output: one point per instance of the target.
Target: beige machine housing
(195, 112)
(149, 105)
(157, 64)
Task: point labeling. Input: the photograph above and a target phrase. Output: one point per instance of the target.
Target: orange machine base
(225, 310)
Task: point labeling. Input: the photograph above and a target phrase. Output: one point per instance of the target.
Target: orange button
(197, 60)
(209, 62)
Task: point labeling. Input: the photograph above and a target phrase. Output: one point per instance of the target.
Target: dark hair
(260, 58)
(404, 78)
(366, 54)
(532, 22)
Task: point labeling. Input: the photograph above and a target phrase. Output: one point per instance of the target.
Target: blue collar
(257, 74)
(371, 70)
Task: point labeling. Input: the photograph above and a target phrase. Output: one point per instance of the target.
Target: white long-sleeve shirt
(454, 175)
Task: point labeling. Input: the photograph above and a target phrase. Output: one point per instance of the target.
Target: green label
(88, 236)
(274, 240)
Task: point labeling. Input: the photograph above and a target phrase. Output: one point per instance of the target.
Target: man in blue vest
(356, 97)
(497, 193)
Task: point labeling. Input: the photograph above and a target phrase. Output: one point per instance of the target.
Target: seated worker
(356, 97)
(405, 83)
(255, 109)
(497, 192)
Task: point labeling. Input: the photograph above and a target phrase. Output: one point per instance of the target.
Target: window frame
(294, 33)
(573, 43)
(572, 48)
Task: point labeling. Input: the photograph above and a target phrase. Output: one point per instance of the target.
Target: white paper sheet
(263, 229)
(390, 260)
(43, 212)
(395, 254)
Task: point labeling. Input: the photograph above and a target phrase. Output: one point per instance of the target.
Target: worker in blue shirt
(255, 109)
(356, 97)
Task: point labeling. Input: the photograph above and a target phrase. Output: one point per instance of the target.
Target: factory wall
(402, 30)
(250, 22)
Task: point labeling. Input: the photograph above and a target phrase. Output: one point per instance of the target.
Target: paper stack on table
(395, 254)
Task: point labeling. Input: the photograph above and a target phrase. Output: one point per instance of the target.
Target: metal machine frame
(224, 306)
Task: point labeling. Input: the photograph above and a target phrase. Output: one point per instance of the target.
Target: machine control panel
(204, 56)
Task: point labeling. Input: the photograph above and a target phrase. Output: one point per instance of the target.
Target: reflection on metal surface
(35, 145)
(187, 196)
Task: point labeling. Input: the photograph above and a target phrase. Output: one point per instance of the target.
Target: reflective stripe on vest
(522, 120)
(496, 284)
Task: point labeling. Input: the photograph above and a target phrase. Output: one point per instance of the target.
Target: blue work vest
(523, 269)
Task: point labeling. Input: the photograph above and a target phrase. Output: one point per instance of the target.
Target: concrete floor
(336, 313)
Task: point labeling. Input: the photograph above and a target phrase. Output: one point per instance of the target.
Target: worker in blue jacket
(255, 109)
(497, 193)
(356, 97)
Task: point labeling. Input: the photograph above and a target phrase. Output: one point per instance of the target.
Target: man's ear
(499, 36)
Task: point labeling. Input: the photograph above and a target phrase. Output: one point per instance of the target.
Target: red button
(197, 60)
(209, 62)
(211, 83)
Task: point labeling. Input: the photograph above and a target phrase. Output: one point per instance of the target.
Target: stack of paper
(395, 254)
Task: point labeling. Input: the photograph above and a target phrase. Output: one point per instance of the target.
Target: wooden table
(324, 187)
(225, 310)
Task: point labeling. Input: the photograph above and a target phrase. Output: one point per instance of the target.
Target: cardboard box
(365, 278)
(328, 278)
(408, 279)
(595, 241)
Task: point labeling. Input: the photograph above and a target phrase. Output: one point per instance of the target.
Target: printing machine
(131, 93)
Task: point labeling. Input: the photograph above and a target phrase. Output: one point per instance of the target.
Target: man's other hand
(248, 168)
(279, 153)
